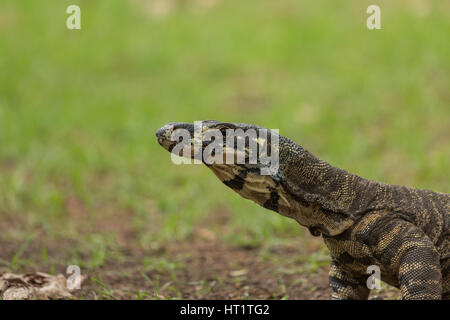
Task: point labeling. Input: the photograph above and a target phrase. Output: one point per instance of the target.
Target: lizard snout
(160, 135)
(164, 134)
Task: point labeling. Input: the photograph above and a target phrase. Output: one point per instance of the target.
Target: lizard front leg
(419, 271)
(345, 285)
(410, 252)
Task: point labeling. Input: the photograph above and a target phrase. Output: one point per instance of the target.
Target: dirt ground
(213, 270)
(202, 267)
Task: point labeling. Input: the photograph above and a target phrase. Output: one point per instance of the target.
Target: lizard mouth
(166, 144)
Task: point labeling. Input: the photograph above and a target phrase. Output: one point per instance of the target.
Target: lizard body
(404, 231)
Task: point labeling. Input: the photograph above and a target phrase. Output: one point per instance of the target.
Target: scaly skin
(404, 231)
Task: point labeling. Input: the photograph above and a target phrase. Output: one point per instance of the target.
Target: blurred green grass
(79, 109)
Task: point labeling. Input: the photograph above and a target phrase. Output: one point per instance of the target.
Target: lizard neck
(335, 196)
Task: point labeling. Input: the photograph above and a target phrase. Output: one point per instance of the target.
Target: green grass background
(79, 109)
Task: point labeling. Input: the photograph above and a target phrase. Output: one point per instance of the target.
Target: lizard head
(265, 167)
(247, 158)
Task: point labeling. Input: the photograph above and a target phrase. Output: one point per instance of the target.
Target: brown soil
(199, 267)
(213, 270)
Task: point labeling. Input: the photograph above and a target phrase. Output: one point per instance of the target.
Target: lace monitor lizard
(404, 231)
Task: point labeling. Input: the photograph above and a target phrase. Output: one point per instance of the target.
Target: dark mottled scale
(237, 183)
(346, 258)
(272, 202)
(314, 231)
